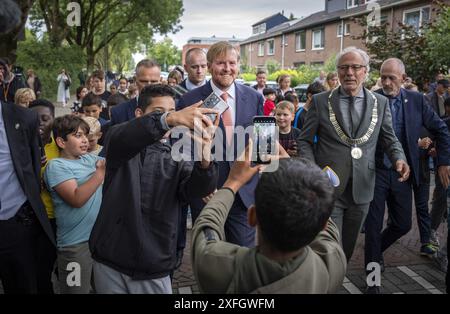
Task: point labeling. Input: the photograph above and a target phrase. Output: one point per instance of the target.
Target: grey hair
(361, 52)
(399, 63)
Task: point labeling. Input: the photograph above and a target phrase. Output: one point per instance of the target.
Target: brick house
(315, 38)
(206, 42)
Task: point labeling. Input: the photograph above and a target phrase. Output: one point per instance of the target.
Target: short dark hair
(260, 72)
(98, 74)
(291, 97)
(151, 91)
(78, 91)
(43, 103)
(315, 88)
(68, 124)
(293, 204)
(91, 99)
(444, 83)
(116, 99)
(268, 91)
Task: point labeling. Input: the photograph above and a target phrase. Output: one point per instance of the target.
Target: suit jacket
(331, 151)
(22, 131)
(433, 101)
(123, 112)
(249, 103)
(417, 114)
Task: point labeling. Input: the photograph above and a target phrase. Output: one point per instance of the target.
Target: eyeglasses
(354, 67)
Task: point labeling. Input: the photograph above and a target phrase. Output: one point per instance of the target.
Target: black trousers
(398, 196)
(19, 252)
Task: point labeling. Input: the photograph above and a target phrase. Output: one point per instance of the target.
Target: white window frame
(269, 53)
(322, 30)
(261, 51)
(420, 14)
(346, 29)
(352, 4)
(299, 46)
(339, 30)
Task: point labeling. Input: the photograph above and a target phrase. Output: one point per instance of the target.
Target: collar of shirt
(231, 91)
(190, 86)
(343, 94)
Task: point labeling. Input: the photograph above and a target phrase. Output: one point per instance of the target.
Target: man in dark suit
(439, 205)
(147, 72)
(243, 104)
(350, 121)
(196, 67)
(410, 113)
(23, 219)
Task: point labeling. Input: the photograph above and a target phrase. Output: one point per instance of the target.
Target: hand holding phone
(216, 103)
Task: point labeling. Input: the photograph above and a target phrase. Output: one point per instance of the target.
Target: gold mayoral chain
(356, 152)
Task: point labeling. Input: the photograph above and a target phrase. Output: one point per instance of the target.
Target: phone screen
(264, 138)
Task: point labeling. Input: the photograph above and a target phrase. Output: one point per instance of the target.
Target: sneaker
(441, 261)
(434, 239)
(428, 250)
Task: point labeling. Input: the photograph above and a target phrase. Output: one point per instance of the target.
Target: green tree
(47, 62)
(103, 20)
(272, 65)
(165, 53)
(423, 53)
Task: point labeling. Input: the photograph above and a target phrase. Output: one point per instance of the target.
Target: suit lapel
(367, 116)
(407, 115)
(241, 100)
(335, 105)
(14, 130)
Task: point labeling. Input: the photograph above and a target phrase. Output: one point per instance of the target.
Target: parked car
(269, 84)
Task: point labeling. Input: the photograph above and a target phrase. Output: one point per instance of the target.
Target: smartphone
(264, 138)
(214, 102)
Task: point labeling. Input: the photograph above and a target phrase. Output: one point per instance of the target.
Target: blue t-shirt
(73, 225)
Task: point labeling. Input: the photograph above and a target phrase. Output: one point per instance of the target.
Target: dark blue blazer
(123, 112)
(418, 114)
(249, 103)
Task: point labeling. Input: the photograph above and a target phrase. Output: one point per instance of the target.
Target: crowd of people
(99, 191)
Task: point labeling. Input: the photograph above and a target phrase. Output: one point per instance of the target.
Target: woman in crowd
(63, 87)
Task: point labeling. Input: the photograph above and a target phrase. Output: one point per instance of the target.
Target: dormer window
(258, 29)
(352, 3)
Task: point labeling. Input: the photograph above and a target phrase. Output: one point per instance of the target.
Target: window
(339, 30)
(347, 29)
(300, 41)
(317, 64)
(260, 49)
(318, 39)
(298, 64)
(258, 29)
(384, 19)
(352, 3)
(271, 47)
(417, 17)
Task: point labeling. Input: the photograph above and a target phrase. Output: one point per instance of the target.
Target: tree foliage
(48, 61)
(102, 21)
(165, 53)
(423, 53)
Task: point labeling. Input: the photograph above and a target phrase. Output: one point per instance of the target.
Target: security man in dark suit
(410, 113)
(23, 219)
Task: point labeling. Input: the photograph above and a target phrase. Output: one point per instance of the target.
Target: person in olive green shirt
(298, 247)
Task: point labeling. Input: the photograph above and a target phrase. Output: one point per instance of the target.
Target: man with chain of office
(349, 121)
